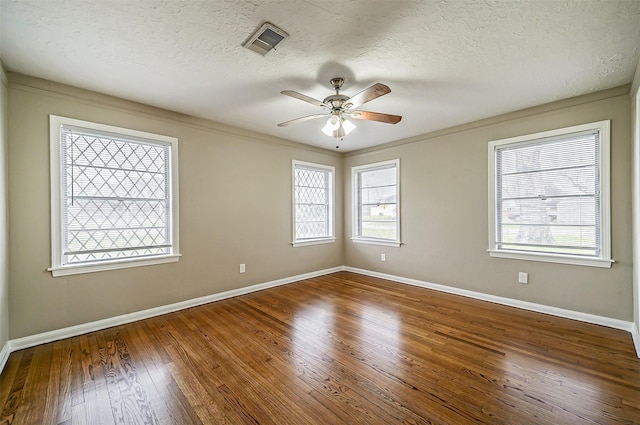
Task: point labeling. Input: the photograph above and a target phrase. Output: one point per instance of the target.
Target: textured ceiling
(447, 62)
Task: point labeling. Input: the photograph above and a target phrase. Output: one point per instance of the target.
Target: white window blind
(313, 202)
(376, 199)
(116, 196)
(549, 195)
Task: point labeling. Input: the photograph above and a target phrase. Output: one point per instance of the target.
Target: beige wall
(4, 237)
(444, 212)
(635, 119)
(235, 207)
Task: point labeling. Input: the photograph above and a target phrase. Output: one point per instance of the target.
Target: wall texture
(235, 207)
(444, 212)
(4, 234)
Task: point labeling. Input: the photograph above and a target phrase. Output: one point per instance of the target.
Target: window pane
(311, 221)
(569, 151)
(548, 195)
(115, 197)
(379, 195)
(311, 212)
(552, 211)
(376, 194)
(378, 213)
(379, 230)
(306, 230)
(310, 178)
(577, 240)
(382, 177)
(312, 197)
(581, 181)
(307, 195)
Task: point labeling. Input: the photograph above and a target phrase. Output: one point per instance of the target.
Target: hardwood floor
(337, 349)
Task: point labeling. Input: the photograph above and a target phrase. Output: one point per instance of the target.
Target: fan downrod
(337, 101)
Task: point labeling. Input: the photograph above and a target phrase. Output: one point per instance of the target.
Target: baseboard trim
(635, 334)
(55, 335)
(4, 355)
(540, 308)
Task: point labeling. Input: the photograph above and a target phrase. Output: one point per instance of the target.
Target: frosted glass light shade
(348, 126)
(337, 126)
(333, 123)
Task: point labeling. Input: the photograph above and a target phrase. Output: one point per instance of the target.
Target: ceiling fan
(339, 107)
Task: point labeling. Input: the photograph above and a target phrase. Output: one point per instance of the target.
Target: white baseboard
(55, 335)
(42, 338)
(4, 355)
(540, 308)
(635, 334)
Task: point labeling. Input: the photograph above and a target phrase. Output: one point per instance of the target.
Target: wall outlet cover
(523, 277)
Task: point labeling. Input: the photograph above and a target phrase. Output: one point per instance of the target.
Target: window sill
(112, 265)
(313, 242)
(382, 242)
(552, 258)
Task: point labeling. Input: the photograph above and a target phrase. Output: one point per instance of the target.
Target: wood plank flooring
(337, 349)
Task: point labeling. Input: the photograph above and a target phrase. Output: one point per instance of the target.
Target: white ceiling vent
(266, 38)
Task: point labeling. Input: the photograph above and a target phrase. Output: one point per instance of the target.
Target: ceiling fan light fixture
(338, 107)
(338, 126)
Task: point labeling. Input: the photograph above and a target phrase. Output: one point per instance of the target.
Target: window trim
(57, 268)
(604, 260)
(355, 194)
(330, 211)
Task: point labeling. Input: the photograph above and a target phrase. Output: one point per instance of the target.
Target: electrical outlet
(523, 277)
(242, 268)
(383, 257)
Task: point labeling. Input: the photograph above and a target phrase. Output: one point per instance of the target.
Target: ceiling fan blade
(304, 97)
(367, 95)
(375, 116)
(302, 119)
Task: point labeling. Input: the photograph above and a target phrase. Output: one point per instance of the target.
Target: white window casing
(114, 197)
(376, 203)
(313, 203)
(549, 196)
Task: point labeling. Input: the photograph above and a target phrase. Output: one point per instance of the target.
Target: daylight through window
(550, 194)
(376, 192)
(116, 199)
(312, 203)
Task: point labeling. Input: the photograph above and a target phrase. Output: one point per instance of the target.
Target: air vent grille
(266, 38)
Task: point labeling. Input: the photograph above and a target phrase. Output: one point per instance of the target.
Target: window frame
(604, 231)
(57, 250)
(330, 170)
(356, 171)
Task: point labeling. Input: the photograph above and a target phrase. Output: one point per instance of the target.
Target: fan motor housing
(337, 101)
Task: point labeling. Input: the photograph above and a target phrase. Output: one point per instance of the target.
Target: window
(114, 200)
(376, 200)
(313, 208)
(549, 196)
